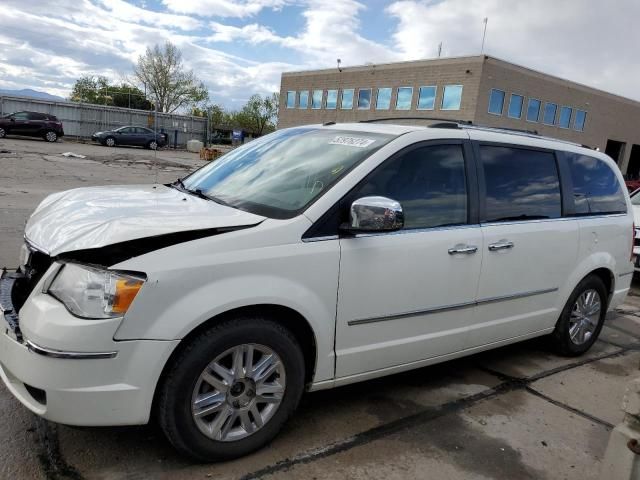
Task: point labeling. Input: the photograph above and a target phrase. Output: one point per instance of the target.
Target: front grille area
(38, 264)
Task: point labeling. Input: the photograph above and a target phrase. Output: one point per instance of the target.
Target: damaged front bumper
(70, 370)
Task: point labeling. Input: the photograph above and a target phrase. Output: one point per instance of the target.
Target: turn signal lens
(126, 290)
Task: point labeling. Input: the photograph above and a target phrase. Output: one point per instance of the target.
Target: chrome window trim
(51, 353)
(321, 239)
(521, 105)
(446, 308)
(435, 95)
(444, 91)
(503, 98)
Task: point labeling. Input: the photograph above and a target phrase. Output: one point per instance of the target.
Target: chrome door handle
(501, 245)
(466, 249)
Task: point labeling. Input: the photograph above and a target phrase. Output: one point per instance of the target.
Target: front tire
(50, 136)
(152, 145)
(231, 389)
(110, 142)
(582, 318)
(3, 132)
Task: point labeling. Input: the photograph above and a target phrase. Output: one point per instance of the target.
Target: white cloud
(223, 8)
(589, 42)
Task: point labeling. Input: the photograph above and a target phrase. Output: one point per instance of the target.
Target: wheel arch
(291, 319)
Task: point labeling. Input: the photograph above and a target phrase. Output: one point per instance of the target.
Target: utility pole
(484, 34)
(439, 49)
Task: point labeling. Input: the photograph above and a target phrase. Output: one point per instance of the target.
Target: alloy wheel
(110, 142)
(238, 392)
(153, 145)
(585, 316)
(2, 133)
(51, 136)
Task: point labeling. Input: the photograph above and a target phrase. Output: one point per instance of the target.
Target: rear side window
(520, 184)
(596, 189)
(37, 116)
(429, 182)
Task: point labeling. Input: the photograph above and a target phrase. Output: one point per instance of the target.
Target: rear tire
(50, 136)
(209, 409)
(3, 132)
(582, 318)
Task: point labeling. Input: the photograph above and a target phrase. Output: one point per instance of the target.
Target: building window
(579, 119)
(304, 99)
(291, 99)
(364, 99)
(565, 117)
(383, 101)
(316, 99)
(332, 99)
(404, 98)
(347, 99)
(451, 97)
(533, 110)
(496, 101)
(427, 98)
(549, 113)
(515, 106)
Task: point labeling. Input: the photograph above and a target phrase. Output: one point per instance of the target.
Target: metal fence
(81, 120)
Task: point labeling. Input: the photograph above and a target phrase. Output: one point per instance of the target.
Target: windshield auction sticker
(352, 141)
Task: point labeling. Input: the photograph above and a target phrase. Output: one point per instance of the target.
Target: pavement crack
(53, 463)
(509, 383)
(569, 408)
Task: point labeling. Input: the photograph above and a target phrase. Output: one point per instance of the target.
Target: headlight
(94, 293)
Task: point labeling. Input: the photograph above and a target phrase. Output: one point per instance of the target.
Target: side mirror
(374, 214)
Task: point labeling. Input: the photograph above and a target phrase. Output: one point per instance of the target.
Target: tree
(161, 71)
(260, 114)
(97, 90)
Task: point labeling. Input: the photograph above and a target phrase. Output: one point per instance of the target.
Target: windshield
(280, 174)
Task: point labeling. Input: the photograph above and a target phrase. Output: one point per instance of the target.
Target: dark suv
(32, 124)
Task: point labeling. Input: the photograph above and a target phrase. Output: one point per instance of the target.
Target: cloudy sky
(240, 47)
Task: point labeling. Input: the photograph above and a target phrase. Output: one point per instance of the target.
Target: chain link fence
(81, 120)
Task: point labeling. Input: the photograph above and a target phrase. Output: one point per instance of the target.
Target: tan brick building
(481, 89)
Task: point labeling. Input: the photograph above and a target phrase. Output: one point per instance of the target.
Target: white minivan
(310, 258)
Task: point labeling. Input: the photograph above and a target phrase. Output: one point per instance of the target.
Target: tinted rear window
(520, 184)
(596, 189)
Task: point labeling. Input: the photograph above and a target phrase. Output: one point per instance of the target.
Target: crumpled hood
(94, 217)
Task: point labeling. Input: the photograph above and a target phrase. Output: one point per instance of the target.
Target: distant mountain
(27, 92)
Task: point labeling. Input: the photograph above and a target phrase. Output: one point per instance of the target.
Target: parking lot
(517, 412)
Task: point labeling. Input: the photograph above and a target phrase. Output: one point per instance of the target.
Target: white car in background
(310, 258)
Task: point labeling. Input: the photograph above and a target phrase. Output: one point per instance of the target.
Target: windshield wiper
(198, 193)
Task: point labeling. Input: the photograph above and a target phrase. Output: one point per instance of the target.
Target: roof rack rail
(451, 121)
(507, 129)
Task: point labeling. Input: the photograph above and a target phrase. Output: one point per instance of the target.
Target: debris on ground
(74, 155)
